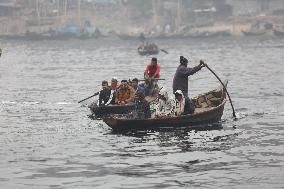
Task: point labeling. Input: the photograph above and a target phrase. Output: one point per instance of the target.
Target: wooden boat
(99, 112)
(148, 50)
(127, 37)
(278, 32)
(102, 111)
(209, 110)
(207, 34)
(254, 33)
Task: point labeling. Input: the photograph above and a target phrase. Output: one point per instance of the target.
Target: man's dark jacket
(180, 81)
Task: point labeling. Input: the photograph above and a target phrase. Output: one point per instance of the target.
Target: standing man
(152, 70)
(180, 81)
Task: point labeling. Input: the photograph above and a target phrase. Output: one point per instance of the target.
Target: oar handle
(152, 79)
(89, 97)
(234, 113)
(163, 50)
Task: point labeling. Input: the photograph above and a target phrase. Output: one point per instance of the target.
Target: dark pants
(189, 106)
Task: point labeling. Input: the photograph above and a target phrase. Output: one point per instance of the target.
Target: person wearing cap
(152, 70)
(180, 81)
(142, 106)
(181, 104)
(125, 94)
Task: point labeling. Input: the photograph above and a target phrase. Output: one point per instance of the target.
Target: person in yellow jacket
(125, 94)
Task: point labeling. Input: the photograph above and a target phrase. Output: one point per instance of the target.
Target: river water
(47, 140)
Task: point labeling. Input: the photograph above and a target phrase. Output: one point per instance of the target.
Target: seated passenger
(104, 94)
(164, 105)
(113, 88)
(136, 87)
(151, 87)
(181, 104)
(142, 110)
(125, 93)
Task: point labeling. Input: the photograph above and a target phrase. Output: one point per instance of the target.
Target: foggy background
(129, 18)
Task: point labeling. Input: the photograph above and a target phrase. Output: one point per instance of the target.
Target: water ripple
(47, 140)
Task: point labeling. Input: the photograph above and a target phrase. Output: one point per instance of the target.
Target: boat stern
(110, 121)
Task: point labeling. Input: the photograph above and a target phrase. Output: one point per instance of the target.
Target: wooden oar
(234, 114)
(163, 50)
(157, 79)
(89, 97)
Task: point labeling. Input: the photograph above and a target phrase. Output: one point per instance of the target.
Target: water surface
(47, 140)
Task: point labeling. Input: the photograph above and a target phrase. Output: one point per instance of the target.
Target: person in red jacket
(152, 70)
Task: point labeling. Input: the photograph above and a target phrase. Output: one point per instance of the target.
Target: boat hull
(143, 53)
(103, 111)
(250, 33)
(209, 110)
(194, 121)
(278, 33)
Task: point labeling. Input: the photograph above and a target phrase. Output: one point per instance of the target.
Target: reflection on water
(47, 140)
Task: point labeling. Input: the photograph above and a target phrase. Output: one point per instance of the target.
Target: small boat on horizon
(148, 49)
(254, 33)
(278, 32)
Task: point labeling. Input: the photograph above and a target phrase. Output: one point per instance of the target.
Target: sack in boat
(210, 96)
(217, 94)
(215, 101)
(203, 105)
(201, 99)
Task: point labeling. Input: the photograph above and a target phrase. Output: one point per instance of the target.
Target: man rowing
(152, 70)
(151, 75)
(180, 81)
(180, 85)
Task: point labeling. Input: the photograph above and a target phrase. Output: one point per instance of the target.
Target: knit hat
(183, 60)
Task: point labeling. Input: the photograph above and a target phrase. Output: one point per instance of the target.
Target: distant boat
(150, 49)
(205, 34)
(127, 37)
(254, 33)
(278, 32)
(68, 32)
